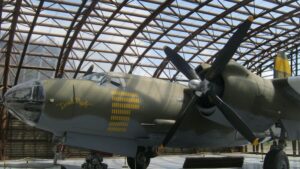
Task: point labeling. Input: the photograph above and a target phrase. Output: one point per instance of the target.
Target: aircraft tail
(282, 68)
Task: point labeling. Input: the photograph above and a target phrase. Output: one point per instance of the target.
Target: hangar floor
(162, 162)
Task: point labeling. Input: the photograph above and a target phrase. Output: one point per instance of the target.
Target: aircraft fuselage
(116, 113)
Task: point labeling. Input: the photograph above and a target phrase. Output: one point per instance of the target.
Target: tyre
(84, 166)
(104, 166)
(140, 162)
(276, 159)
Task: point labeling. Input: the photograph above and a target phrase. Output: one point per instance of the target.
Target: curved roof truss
(53, 38)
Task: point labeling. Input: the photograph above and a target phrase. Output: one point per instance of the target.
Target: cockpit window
(31, 90)
(106, 80)
(23, 94)
(116, 82)
(96, 77)
(103, 81)
(113, 82)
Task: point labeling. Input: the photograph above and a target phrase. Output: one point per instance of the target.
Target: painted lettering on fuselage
(122, 106)
(74, 101)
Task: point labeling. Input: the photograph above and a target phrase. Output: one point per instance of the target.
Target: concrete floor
(161, 162)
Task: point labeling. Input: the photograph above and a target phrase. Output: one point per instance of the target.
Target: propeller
(179, 119)
(225, 54)
(89, 71)
(206, 84)
(179, 62)
(234, 119)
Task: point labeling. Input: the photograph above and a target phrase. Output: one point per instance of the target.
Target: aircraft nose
(25, 101)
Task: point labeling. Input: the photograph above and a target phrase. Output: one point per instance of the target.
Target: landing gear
(59, 148)
(142, 159)
(276, 157)
(59, 155)
(94, 161)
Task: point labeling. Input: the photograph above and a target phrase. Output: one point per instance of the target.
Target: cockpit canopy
(104, 79)
(25, 101)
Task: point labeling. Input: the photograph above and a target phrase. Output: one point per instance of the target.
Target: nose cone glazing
(25, 101)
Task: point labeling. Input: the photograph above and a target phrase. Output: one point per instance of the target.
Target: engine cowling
(243, 91)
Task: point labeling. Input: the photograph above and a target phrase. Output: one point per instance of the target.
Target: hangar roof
(62, 38)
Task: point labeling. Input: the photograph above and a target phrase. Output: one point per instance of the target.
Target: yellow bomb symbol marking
(123, 105)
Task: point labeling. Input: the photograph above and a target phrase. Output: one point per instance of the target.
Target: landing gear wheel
(94, 161)
(276, 159)
(141, 161)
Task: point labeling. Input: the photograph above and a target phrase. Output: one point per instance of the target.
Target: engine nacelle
(247, 94)
(250, 96)
(245, 91)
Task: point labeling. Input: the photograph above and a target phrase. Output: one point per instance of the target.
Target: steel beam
(278, 47)
(9, 46)
(67, 70)
(272, 57)
(2, 113)
(98, 34)
(266, 26)
(166, 32)
(63, 18)
(49, 69)
(140, 29)
(272, 47)
(297, 59)
(38, 10)
(252, 33)
(3, 132)
(35, 54)
(134, 6)
(41, 44)
(71, 70)
(271, 23)
(71, 27)
(292, 62)
(1, 10)
(169, 13)
(221, 7)
(86, 14)
(121, 43)
(164, 63)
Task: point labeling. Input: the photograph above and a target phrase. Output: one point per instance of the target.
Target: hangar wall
(19, 140)
(25, 141)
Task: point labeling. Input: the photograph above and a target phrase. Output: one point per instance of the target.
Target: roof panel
(137, 31)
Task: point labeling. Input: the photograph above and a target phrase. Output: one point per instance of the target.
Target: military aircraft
(223, 105)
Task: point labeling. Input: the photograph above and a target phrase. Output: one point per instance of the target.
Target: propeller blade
(225, 54)
(234, 119)
(179, 120)
(89, 71)
(180, 63)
